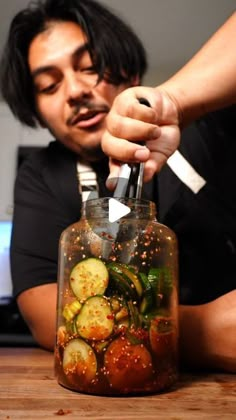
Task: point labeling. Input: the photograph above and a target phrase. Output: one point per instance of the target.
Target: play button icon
(106, 217)
(117, 210)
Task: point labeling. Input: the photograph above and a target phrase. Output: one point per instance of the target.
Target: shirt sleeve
(41, 213)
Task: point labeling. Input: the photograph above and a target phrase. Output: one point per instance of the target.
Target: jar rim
(131, 201)
(139, 207)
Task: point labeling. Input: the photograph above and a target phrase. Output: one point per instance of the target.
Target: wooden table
(28, 390)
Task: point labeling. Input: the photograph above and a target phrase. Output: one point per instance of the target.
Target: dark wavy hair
(113, 47)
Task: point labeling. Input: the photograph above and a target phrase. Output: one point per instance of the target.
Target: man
(64, 63)
(64, 69)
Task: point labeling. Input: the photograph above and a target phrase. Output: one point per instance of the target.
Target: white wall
(13, 134)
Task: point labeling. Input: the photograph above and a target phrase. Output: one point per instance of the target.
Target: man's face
(69, 101)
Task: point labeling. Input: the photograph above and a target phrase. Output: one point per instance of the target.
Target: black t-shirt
(47, 200)
(205, 223)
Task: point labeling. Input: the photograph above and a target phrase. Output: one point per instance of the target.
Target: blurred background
(171, 30)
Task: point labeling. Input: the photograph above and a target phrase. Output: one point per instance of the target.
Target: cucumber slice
(148, 295)
(128, 279)
(160, 280)
(146, 304)
(71, 309)
(95, 320)
(123, 313)
(89, 278)
(79, 361)
(101, 346)
(134, 315)
(128, 275)
(134, 279)
(120, 284)
(115, 304)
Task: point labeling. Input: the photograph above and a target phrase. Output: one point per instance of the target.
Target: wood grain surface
(29, 390)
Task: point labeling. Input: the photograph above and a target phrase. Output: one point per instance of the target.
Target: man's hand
(130, 123)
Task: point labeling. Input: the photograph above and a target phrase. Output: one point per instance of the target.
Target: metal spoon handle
(130, 182)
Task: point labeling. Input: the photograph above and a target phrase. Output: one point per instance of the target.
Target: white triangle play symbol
(117, 210)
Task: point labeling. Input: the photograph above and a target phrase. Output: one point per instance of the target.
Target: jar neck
(139, 209)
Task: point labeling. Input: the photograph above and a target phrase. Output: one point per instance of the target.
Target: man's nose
(77, 86)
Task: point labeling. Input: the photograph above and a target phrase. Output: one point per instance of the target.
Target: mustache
(90, 106)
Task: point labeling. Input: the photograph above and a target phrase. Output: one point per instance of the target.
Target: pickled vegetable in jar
(117, 309)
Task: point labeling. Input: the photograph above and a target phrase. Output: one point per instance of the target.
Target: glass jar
(117, 311)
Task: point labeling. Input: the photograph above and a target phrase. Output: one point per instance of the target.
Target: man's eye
(48, 89)
(89, 70)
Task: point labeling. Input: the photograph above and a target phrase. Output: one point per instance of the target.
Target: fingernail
(111, 183)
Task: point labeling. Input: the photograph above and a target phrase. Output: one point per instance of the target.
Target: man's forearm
(207, 81)
(192, 340)
(38, 307)
(207, 334)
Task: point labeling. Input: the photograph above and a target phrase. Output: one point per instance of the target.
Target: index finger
(123, 150)
(131, 129)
